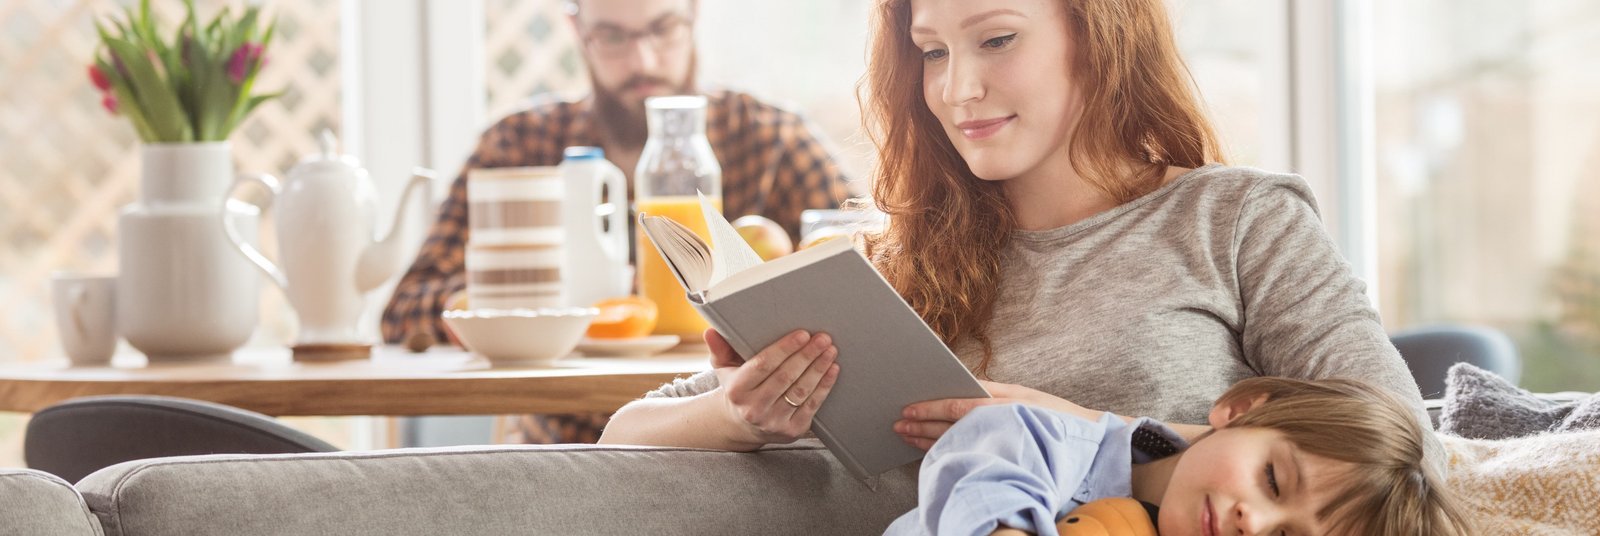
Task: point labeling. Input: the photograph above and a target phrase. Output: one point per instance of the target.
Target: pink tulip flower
(110, 103)
(246, 58)
(99, 78)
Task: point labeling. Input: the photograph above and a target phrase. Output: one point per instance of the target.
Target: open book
(888, 357)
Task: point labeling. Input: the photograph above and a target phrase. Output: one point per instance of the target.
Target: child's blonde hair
(1391, 489)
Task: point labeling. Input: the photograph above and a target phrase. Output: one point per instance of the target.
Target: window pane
(1488, 132)
(1221, 42)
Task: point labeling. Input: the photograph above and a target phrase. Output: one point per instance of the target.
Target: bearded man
(772, 163)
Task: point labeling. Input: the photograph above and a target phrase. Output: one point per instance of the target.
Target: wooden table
(393, 382)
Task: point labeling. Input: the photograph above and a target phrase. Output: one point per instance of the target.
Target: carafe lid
(676, 116)
(676, 102)
(583, 153)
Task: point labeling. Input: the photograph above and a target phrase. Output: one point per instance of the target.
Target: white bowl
(521, 336)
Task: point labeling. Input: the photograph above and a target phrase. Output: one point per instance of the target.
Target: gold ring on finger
(790, 402)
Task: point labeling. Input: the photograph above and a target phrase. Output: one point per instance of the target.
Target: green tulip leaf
(178, 88)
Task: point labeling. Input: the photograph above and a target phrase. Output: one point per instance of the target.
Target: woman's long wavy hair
(941, 247)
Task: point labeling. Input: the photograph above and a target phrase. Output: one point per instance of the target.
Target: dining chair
(80, 436)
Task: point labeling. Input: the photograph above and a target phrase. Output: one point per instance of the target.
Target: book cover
(888, 357)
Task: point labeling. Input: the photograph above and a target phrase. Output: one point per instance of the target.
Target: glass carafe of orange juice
(676, 163)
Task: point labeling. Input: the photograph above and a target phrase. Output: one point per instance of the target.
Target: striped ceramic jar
(514, 249)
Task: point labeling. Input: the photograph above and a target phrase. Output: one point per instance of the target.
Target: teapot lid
(327, 159)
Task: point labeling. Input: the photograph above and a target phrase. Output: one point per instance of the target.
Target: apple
(824, 234)
(765, 236)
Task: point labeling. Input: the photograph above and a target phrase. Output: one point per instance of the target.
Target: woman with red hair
(1060, 215)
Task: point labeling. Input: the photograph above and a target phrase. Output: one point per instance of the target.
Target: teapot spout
(381, 259)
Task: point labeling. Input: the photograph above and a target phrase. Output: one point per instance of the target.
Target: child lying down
(1285, 457)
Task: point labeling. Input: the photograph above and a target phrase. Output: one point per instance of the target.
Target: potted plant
(183, 292)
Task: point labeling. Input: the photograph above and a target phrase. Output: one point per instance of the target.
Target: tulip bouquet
(194, 88)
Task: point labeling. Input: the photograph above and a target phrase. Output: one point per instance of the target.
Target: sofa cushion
(527, 489)
(38, 503)
(1480, 404)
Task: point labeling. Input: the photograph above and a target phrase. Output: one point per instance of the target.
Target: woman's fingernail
(911, 413)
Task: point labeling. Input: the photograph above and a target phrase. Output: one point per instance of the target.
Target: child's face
(1248, 481)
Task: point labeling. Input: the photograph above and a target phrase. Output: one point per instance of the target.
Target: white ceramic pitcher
(595, 265)
(329, 255)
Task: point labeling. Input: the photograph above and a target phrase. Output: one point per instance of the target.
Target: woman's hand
(924, 422)
(773, 396)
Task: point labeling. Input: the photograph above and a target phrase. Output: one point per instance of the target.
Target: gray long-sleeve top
(1155, 307)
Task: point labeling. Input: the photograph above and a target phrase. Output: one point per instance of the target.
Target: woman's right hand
(799, 366)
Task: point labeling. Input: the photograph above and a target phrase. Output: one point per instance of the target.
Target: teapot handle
(239, 242)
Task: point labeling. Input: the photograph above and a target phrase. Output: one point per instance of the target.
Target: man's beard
(624, 125)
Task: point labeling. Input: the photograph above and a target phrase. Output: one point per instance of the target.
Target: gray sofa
(37, 503)
(554, 489)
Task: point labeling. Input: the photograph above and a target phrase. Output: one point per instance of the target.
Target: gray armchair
(1430, 351)
(83, 435)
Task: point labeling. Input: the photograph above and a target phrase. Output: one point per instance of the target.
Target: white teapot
(329, 253)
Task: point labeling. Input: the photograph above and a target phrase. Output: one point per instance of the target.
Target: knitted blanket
(1546, 484)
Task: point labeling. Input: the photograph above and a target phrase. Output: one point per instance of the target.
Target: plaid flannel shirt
(772, 165)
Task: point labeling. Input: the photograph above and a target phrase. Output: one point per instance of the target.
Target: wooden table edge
(462, 394)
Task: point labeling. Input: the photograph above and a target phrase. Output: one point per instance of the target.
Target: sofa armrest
(525, 489)
(39, 503)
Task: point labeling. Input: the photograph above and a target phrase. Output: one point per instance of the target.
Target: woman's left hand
(923, 423)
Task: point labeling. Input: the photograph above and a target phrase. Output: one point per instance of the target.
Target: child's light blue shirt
(1024, 467)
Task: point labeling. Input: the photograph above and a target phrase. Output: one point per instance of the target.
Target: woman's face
(996, 74)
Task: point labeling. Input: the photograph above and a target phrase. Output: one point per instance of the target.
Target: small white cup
(86, 309)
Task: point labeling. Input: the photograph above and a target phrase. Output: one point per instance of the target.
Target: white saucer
(637, 346)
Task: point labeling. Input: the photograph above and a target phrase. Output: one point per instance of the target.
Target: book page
(688, 257)
(729, 252)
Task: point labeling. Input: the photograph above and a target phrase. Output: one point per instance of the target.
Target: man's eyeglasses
(666, 32)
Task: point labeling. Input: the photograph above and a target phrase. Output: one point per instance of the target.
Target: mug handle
(75, 297)
(249, 251)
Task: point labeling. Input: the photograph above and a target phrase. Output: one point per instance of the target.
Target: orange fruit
(457, 301)
(622, 318)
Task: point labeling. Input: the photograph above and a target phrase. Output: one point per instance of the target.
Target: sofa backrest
(40, 504)
(525, 489)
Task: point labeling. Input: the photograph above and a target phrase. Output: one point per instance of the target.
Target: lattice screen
(530, 49)
(66, 165)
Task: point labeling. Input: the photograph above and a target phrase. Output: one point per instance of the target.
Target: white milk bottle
(596, 228)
